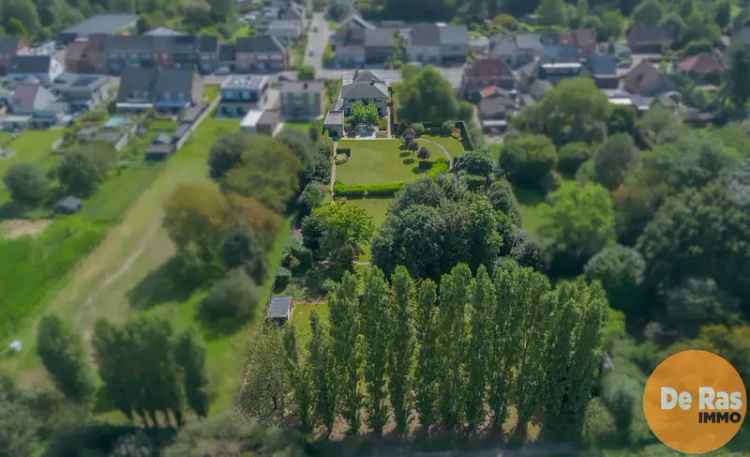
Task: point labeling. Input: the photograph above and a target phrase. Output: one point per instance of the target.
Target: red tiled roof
(704, 63)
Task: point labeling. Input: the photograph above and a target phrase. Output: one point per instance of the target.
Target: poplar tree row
(454, 357)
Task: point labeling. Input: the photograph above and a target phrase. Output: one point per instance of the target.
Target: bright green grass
(301, 320)
(302, 127)
(531, 203)
(43, 279)
(374, 162)
(377, 208)
(31, 146)
(452, 145)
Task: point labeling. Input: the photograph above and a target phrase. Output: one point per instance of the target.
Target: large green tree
(428, 364)
(424, 95)
(578, 223)
(374, 328)
(401, 352)
(26, 184)
(62, 354)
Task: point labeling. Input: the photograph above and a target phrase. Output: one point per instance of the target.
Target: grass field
(530, 203)
(136, 248)
(452, 145)
(377, 208)
(31, 146)
(375, 161)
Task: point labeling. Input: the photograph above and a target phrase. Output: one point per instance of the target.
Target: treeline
(224, 232)
(458, 356)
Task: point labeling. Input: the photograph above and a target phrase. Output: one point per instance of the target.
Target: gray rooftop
(279, 307)
(250, 82)
(103, 23)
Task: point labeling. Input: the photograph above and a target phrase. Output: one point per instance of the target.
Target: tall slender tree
(298, 375)
(373, 306)
(321, 367)
(343, 304)
(451, 343)
(401, 351)
(482, 293)
(425, 384)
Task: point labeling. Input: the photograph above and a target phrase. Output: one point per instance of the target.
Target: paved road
(317, 38)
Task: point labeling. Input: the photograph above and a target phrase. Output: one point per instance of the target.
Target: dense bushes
(235, 297)
(528, 159)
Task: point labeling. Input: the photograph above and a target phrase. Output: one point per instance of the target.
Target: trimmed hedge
(439, 167)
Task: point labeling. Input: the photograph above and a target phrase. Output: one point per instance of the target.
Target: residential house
(519, 49)
(170, 90)
(227, 56)
(122, 52)
(242, 93)
(262, 53)
(334, 124)
(87, 55)
(103, 24)
(83, 92)
(294, 12)
(9, 48)
(560, 62)
(496, 108)
(39, 105)
(208, 54)
(603, 69)
(260, 122)
(365, 88)
(42, 68)
(379, 44)
(349, 45)
(179, 51)
(703, 67)
(438, 43)
(280, 310)
(302, 100)
(584, 40)
(285, 31)
(647, 81)
(479, 45)
(648, 39)
(163, 31)
(484, 72)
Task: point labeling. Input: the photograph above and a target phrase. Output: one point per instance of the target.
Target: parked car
(223, 71)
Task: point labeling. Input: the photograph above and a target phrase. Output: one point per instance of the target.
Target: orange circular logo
(695, 401)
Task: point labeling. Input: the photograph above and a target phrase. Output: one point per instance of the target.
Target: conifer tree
(321, 371)
(191, 356)
(343, 304)
(482, 294)
(373, 306)
(401, 347)
(425, 384)
(298, 375)
(451, 343)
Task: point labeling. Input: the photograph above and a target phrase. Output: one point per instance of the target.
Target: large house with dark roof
(649, 39)
(9, 47)
(42, 68)
(169, 90)
(366, 88)
(37, 104)
(302, 100)
(103, 24)
(647, 81)
(437, 43)
(261, 53)
(704, 67)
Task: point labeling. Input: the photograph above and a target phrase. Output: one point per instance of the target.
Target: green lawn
(298, 126)
(375, 161)
(377, 208)
(452, 145)
(301, 320)
(530, 203)
(31, 146)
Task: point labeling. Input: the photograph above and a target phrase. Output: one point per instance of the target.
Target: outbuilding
(280, 309)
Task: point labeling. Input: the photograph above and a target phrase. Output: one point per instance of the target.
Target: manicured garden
(31, 146)
(377, 208)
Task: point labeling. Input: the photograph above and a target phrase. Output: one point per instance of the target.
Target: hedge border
(389, 189)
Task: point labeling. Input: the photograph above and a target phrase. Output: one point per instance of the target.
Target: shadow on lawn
(160, 286)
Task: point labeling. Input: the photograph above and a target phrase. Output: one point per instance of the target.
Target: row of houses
(358, 42)
(517, 69)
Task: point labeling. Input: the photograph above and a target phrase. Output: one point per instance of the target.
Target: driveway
(316, 42)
